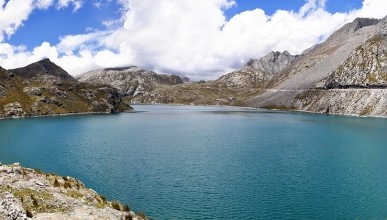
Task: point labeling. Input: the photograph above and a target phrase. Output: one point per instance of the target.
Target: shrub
(116, 205)
(56, 183)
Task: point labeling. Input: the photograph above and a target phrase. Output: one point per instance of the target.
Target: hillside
(346, 74)
(43, 88)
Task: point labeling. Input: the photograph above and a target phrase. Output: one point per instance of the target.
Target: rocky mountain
(31, 194)
(346, 74)
(259, 71)
(130, 81)
(43, 88)
(366, 67)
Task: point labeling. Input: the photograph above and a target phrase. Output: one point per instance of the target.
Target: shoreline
(66, 114)
(178, 104)
(265, 109)
(27, 193)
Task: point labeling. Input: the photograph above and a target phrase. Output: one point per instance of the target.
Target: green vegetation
(47, 95)
(209, 93)
(34, 201)
(366, 111)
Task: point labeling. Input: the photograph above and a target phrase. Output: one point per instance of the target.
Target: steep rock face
(343, 101)
(358, 86)
(258, 71)
(351, 58)
(130, 81)
(366, 67)
(43, 88)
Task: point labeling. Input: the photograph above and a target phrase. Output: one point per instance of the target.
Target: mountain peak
(44, 67)
(45, 60)
(345, 31)
(272, 62)
(359, 23)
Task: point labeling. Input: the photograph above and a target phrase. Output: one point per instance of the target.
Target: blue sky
(49, 25)
(202, 39)
(271, 6)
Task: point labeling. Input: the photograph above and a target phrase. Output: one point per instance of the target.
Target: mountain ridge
(259, 71)
(42, 68)
(347, 80)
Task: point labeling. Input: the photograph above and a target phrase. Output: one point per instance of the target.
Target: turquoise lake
(186, 162)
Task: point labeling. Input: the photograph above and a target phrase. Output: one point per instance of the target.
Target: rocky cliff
(43, 88)
(366, 67)
(357, 87)
(31, 194)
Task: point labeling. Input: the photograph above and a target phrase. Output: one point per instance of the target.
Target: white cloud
(373, 8)
(15, 12)
(12, 15)
(77, 4)
(101, 3)
(71, 43)
(191, 37)
(44, 4)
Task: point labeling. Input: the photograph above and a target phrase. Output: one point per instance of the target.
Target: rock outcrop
(43, 88)
(366, 67)
(30, 194)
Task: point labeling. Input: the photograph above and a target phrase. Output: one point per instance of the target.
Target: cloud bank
(186, 37)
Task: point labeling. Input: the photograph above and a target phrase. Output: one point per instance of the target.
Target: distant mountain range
(346, 74)
(142, 86)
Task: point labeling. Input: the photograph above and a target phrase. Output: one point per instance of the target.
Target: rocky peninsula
(31, 194)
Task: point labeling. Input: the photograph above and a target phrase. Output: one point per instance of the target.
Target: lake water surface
(185, 162)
